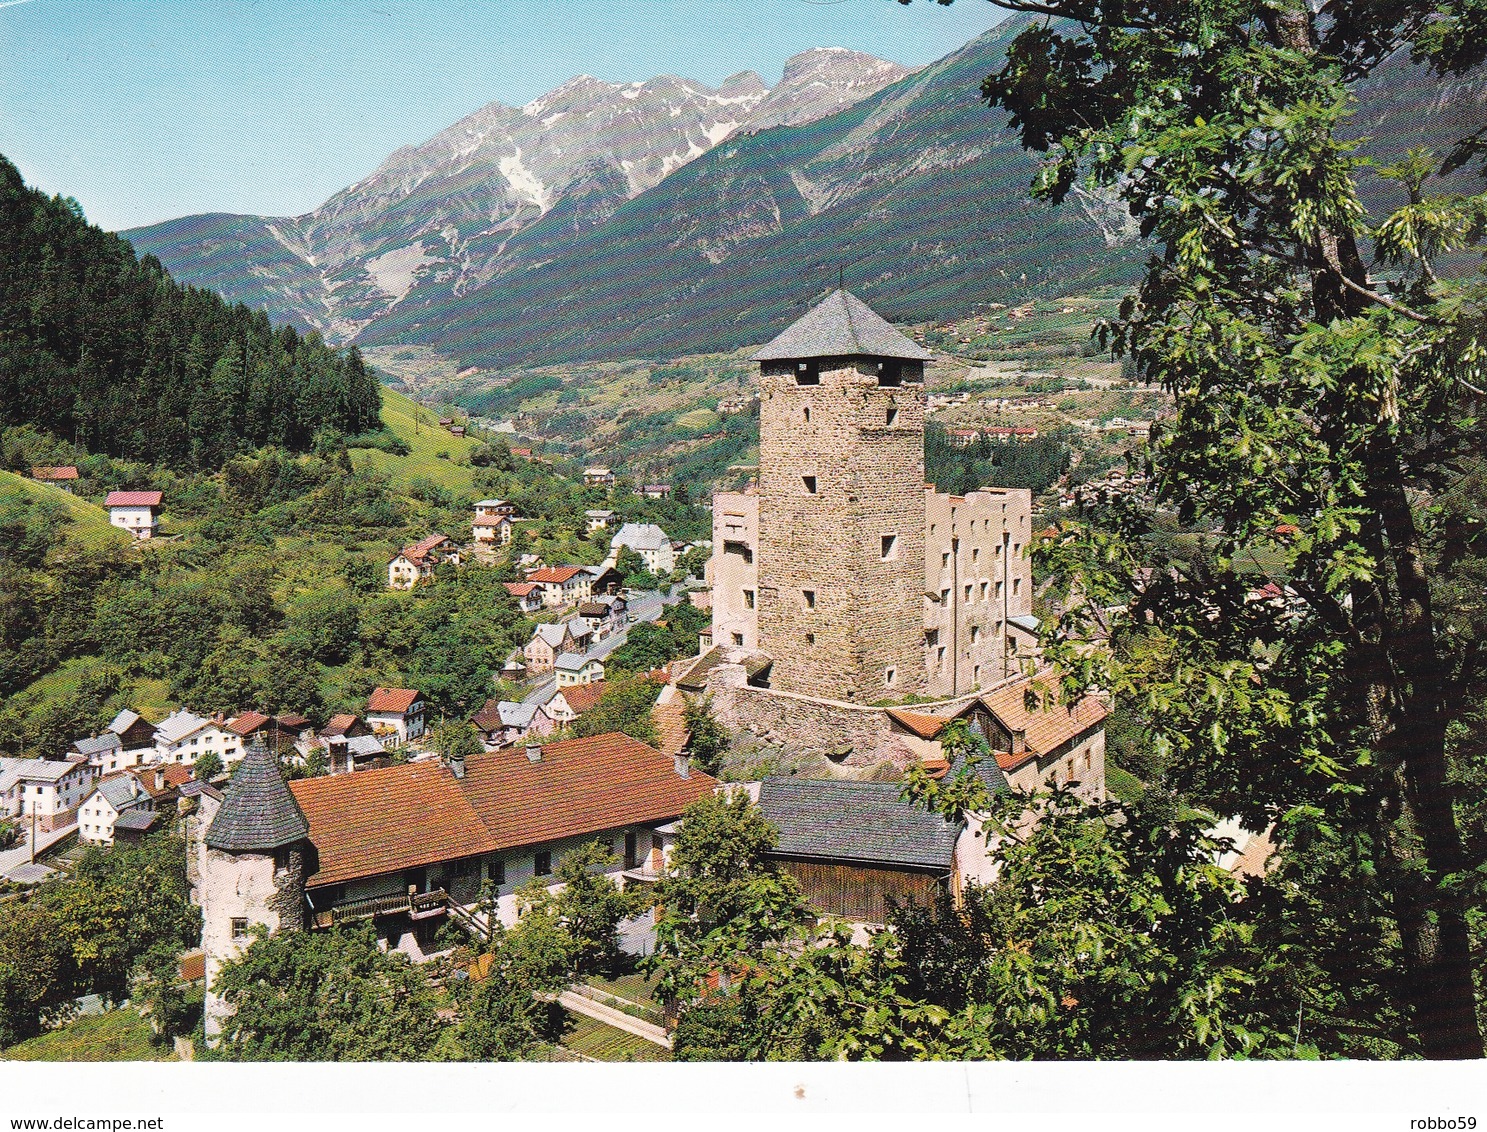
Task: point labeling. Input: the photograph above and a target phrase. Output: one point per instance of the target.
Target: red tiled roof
(64, 472)
(672, 732)
(133, 499)
(580, 786)
(521, 589)
(521, 452)
(293, 720)
(247, 723)
(176, 775)
(418, 552)
(339, 724)
(581, 697)
(375, 822)
(383, 821)
(1047, 726)
(560, 575)
(393, 700)
(924, 726)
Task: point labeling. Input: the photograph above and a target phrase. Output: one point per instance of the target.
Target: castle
(844, 575)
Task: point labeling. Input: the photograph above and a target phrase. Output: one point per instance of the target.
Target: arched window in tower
(806, 413)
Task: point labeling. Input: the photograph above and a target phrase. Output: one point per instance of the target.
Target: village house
(278, 733)
(572, 668)
(184, 737)
(528, 595)
(137, 512)
(408, 847)
(650, 542)
(348, 744)
(105, 753)
(655, 491)
(417, 563)
(573, 700)
(63, 477)
(396, 712)
(101, 809)
(136, 735)
(598, 519)
(561, 585)
(494, 522)
(603, 616)
(597, 477)
(500, 723)
(161, 782)
(601, 581)
(551, 640)
(50, 790)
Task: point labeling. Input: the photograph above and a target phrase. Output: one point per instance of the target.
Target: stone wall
(849, 734)
(841, 469)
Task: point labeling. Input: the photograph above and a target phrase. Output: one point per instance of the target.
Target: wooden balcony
(415, 905)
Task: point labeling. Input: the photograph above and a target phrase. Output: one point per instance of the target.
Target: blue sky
(146, 110)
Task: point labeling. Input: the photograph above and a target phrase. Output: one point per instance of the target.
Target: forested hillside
(103, 349)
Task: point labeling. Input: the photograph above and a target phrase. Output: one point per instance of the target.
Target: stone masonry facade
(841, 531)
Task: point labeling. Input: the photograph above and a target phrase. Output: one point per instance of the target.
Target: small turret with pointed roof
(256, 855)
(258, 813)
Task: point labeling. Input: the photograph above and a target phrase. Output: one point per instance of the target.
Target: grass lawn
(593, 1038)
(419, 428)
(1122, 783)
(634, 987)
(90, 527)
(119, 1035)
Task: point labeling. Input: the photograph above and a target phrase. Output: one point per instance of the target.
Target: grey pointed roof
(866, 823)
(258, 812)
(841, 325)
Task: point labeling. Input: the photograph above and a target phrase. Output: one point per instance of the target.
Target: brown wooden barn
(851, 844)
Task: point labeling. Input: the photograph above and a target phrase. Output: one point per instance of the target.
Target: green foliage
(105, 348)
(1036, 464)
(121, 904)
(1305, 390)
(455, 739)
(37, 970)
(625, 705)
(591, 906)
(206, 768)
(326, 996)
(709, 740)
(649, 645)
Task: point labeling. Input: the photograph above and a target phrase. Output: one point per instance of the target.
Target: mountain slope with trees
(103, 349)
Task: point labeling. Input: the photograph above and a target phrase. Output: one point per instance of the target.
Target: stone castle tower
(842, 505)
(255, 856)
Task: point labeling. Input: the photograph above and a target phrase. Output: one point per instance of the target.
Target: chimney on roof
(159, 779)
(534, 752)
(683, 765)
(457, 765)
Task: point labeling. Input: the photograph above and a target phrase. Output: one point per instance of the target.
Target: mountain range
(442, 215)
(660, 218)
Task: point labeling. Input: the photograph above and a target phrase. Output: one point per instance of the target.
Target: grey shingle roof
(841, 325)
(860, 822)
(120, 792)
(258, 811)
(98, 745)
(137, 818)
